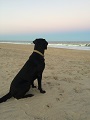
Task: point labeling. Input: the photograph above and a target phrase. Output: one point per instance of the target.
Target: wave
(16, 42)
(71, 46)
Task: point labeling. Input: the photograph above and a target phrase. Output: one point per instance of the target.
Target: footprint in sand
(60, 90)
(50, 84)
(78, 89)
(57, 99)
(55, 77)
(37, 118)
(49, 105)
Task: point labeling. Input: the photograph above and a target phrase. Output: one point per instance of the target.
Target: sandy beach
(66, 79)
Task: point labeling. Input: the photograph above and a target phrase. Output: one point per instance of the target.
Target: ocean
(82, 45)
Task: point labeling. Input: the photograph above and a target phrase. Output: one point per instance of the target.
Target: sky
(51, 19)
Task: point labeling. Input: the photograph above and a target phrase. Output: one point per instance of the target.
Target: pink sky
(29, 16)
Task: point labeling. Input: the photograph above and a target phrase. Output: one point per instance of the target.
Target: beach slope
(66, 79)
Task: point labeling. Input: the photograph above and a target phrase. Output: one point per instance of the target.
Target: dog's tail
(6, 97)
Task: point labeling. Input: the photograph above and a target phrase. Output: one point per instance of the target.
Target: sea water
(57, 44)
(71, 45)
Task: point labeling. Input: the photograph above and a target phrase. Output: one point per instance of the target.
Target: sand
(66, 79)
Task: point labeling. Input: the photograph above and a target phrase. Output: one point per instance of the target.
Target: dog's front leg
(40, 84)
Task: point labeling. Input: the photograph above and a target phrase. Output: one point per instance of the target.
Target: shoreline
(68, 45)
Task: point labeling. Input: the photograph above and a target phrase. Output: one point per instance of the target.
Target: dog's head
(40, 42)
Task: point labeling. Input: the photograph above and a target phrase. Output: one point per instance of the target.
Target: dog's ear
(35, 41)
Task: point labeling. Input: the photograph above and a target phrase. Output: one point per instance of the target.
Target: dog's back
(29, 71)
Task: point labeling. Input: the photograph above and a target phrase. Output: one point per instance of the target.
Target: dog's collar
(38, 52)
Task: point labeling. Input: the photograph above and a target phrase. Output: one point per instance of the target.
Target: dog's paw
(42, 91)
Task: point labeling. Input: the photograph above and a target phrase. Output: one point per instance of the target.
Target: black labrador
(32, 70)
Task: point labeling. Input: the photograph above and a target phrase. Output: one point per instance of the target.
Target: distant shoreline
(81, 45)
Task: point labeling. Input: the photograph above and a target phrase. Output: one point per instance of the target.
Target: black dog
(32, 70)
